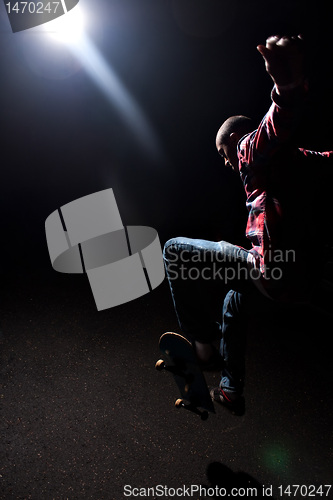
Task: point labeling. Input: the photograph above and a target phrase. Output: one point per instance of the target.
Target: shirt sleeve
(318, 154)
(276, 128)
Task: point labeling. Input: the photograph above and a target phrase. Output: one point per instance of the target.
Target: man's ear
(233, 138)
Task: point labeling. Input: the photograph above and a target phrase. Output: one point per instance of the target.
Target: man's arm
(285, 63)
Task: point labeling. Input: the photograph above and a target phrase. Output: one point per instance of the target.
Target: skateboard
(180, 360)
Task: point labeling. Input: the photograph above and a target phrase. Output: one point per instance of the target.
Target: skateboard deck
(179, 358)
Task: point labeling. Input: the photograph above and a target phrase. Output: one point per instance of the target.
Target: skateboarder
(276, 175)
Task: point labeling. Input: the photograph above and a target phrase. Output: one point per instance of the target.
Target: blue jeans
(202, 275)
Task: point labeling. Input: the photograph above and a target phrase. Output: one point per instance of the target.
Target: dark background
(189, 65)
(83, 411)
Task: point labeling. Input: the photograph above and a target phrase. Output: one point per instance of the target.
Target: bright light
(67, 28)
(115, 92)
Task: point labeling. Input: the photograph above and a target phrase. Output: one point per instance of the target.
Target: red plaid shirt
(273, 171)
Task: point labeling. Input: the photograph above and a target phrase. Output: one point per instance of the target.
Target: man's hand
(284, 60)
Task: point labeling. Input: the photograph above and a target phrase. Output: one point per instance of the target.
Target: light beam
(69, 30)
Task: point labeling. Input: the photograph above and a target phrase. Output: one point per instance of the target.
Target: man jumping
(278, 178)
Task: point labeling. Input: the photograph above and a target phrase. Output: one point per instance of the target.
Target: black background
(188, 65)
(84, 411)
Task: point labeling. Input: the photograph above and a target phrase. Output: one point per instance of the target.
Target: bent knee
(172, 248)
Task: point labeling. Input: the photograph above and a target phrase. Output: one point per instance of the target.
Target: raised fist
(284, 59)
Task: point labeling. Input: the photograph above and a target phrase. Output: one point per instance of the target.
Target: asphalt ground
(85, 415)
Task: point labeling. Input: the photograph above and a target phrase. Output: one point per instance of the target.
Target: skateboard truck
(180, 403)
(180, 361)
(175, 370)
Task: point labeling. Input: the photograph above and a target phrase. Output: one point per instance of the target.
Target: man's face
(225, 152)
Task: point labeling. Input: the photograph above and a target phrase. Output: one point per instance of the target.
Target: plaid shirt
(272, 171)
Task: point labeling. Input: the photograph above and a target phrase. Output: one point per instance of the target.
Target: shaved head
(238, 124)
(231, 131)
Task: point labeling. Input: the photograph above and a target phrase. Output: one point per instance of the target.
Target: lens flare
(67, 29)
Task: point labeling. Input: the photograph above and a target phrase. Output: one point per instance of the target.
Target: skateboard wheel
(179, 403)
(160, 365)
